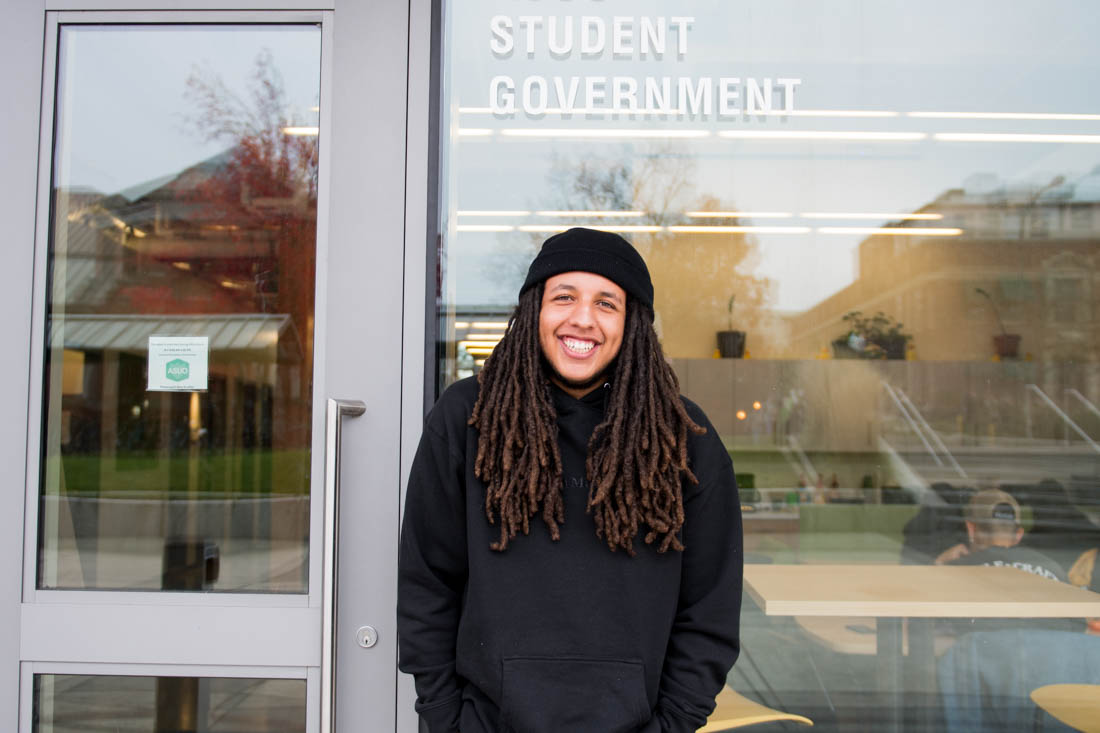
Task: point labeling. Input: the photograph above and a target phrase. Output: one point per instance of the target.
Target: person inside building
(571, 547)
(994, 532)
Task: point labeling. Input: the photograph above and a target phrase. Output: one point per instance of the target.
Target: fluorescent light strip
(592, 213)
(474, 132)
(822, 135)
(475, 351)
(493, 213)
(597, 132)
(739, 214)
(900, 231)
(621, 228)
(490, 337)
(1002, 116)
(305, 131)
(829, 215)
(467, 343)
(658, 111)
(490, 324)
(484, 228)
(461, 324)
(831, 113)
(997, 137)
(738, 230)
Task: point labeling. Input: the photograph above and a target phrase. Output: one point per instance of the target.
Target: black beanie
(590, 250)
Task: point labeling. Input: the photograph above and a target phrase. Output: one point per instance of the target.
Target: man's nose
(582, 314)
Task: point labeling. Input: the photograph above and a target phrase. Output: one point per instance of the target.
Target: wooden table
(891, 593)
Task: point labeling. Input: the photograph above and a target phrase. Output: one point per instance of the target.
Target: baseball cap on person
(592, 250)
(993, 505)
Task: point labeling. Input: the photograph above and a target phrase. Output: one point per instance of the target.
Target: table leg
(920, 671)
(889, 660)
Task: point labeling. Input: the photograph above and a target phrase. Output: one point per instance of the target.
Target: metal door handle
(335, 411)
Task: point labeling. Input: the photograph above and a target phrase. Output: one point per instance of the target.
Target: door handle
(335, 411)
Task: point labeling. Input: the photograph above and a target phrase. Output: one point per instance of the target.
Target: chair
(734, 710)
(1078, 706)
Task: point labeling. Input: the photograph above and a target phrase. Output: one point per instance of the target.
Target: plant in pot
(874, 337)
(731, 343)
(1006, 345)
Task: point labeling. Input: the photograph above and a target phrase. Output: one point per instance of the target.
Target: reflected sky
(880, 56)
(109, 70)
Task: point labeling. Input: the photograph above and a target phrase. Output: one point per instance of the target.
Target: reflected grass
(131, 475)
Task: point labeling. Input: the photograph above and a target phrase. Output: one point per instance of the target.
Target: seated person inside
(994, 532)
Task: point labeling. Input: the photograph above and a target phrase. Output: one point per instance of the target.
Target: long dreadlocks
(637, 457)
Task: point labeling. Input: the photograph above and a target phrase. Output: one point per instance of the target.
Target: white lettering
(729, 90)
(758, 99)
(788, 92)
(501, 43)
(502, 95)
(529, 104)
(653, 36)
(622, 35)
(658, 99)
(681, 23)
(594, 91)
(566, 100)
(560, 47)
(703, 96)
(624, 93)
(694, 98)
(529, 23)
(592, 46)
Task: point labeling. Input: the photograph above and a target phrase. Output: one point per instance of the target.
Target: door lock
(367, 636)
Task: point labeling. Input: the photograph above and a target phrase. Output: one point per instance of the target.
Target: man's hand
(952, 553)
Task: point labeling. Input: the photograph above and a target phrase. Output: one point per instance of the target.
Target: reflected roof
(1085, 189)
(240, 332)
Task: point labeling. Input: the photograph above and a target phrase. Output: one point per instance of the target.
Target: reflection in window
(194, 214)
(66, 703)
(908, 258)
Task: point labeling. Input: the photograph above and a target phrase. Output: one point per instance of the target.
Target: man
(571, 550)
(994, 531)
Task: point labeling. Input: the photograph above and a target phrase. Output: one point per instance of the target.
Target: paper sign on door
(178, 363)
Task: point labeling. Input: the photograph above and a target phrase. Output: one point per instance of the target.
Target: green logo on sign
(177, 370)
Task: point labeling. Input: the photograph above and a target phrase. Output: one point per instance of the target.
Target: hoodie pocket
(555, 694)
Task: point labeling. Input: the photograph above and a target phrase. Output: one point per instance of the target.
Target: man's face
(581, 326)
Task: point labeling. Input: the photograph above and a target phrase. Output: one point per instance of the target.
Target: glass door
(185, 341)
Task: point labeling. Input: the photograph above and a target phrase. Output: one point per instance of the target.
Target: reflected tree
(263, 188)
(694, 274)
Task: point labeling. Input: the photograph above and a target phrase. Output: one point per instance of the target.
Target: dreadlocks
(637, 457)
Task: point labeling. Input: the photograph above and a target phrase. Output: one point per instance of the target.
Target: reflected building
(1033, 249)
(193, 253)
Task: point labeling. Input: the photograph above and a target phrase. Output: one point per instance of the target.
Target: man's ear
(970, 527)
(1019, 535)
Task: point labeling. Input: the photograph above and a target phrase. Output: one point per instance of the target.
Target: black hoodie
(559, 636)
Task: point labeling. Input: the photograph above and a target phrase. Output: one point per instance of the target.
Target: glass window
(65, 703)
(873, 237)
(179, 344)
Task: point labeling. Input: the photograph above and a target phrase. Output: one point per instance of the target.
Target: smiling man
(571, 544)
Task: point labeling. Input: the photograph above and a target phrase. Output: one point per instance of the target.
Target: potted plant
(876, 337)
(731, 343)
(1006, 345)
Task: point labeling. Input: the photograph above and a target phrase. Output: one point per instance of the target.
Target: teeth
(582, 347)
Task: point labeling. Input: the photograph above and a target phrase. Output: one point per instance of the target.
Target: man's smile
(577, 347)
